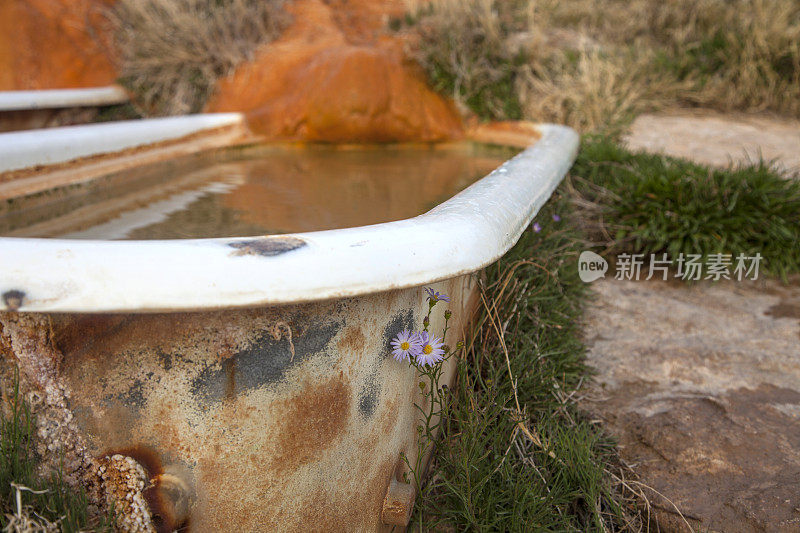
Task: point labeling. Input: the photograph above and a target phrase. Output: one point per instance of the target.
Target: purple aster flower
(435, 296)
(536, 227)
(557, 217)
(431, 351)
(406, 344)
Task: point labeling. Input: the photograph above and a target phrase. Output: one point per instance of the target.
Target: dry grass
(753, 49)
(473, 51)
(172, 52)
(507, 60)
(734, 54)
(594, 64)
(593, 91)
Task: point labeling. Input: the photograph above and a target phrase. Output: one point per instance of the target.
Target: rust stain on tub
(388, 419)
(229, 365)
(353, 339)
(80, 332)
(145, 456)
(311, 422)
(5, 344)
(266, 246)
(96, 336)
(327, 514)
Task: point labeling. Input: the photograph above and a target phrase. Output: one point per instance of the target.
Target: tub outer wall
(267, 439)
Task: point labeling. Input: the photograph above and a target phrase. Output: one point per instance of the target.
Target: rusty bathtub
(244, 384)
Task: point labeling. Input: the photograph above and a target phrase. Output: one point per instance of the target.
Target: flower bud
(426, 322)
(447, 315)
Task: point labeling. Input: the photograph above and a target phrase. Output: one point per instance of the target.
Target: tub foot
(398, 503)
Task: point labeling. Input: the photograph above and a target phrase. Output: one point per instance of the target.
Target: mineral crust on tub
(244, 384)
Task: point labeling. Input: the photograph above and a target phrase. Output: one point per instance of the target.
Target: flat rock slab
(716, 139)
(700, 384)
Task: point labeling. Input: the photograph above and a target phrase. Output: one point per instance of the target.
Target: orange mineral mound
(53, 44)
(334, 76)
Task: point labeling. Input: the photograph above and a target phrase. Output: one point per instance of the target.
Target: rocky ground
(700, 383)
(716, 139)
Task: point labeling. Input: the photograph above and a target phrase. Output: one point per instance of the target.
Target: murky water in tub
(257, 191)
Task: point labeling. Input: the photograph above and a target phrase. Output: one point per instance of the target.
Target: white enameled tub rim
(49, 146)
(61, 98)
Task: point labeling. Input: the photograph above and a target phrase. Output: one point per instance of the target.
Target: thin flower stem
(427, 428)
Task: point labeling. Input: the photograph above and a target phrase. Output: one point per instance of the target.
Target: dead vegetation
(172, 52)
(595, 64)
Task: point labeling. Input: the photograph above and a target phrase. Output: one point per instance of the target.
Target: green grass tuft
(642, 203)
(53, 501)
(490, 474)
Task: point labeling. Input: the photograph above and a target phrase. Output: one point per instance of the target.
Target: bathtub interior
(255, 190)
